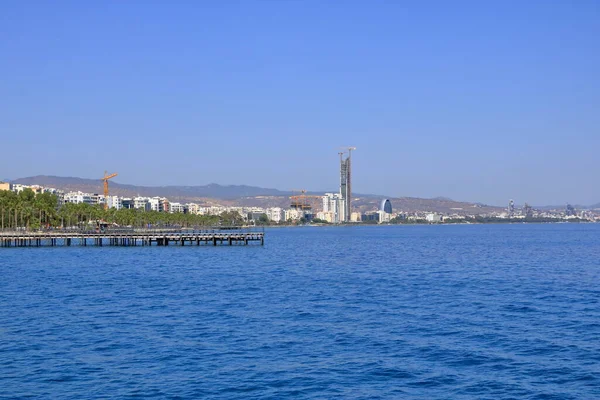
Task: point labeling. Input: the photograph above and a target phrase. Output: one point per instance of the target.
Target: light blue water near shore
(482, 312)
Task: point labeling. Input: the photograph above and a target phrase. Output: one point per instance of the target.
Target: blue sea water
(410, 312)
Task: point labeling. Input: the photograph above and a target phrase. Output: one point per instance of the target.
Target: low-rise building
(79, 198)
(293, 215)
(177, 208)
(127, 203)
(193, 208)
(276, 214)
(384, 217)
(157, 204)
(325, 216)
(18, 188)
(433, 217)
(115, 202)
(141, 203)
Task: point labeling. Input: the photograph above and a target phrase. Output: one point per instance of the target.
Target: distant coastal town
(36, 206)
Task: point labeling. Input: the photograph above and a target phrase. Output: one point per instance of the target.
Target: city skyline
(15, 197)
(284, 192)
(441, 101)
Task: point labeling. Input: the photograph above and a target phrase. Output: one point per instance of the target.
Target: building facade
(276, 214)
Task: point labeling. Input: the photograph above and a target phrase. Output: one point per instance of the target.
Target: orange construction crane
(105, 180)
(303, 201)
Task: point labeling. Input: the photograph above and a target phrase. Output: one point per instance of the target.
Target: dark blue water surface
(485, 312)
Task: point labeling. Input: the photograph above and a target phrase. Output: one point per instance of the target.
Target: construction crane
(303, 201)
(105, 180)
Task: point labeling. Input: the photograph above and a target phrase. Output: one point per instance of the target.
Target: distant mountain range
(212, 190)
(252, 195)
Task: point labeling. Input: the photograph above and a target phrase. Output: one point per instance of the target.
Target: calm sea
(410, 312)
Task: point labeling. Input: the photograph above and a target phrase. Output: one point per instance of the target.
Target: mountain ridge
(245, 195)
(212, 190)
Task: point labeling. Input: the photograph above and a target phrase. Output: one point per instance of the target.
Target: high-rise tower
(346, 184)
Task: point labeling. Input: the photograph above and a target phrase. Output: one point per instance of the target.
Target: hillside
(243, 195)
(176, 193)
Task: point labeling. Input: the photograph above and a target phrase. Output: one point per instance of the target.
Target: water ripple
(462, 312)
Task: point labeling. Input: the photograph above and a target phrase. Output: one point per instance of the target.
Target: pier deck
(212, 237)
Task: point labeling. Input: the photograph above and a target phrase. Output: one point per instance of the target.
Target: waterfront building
(141, 203)
(370, 216)
(355, 217)
(386, 206)
(325, 216)
(193, 208)
(97, 199)
(253, 216)
(383, 217)
(156, 204)
(433, 217)
(385, 211)
(276, 214)
(18, 188)
(511, 208)
(176, 208)
(114, 202)
(79, 197)
(215, 210)
(293, 214)
(335, 204)
(345, 186)
(166, 205)
(527, 211)
(203, 211)
(127, 203)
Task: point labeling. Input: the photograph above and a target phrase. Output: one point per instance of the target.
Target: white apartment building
(293, 214)
(157, 204)
(114, 202)
(80, 197)
(215, 210)
(17, 187)
(325, 216)
(276, 214)
(383, 217)
(248, 210)
(141, 203)
(333, 203)
(98, 198)
(433, 217)
(193, 208)
(177, 208)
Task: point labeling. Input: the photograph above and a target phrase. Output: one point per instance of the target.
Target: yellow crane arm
(107, 177)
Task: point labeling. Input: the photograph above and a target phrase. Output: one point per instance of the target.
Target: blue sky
(478, 101)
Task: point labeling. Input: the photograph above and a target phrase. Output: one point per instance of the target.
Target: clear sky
(480, 100)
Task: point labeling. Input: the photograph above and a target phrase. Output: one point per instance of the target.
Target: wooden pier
(133, 238)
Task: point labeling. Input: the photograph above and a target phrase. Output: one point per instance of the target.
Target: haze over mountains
(250, 195)
(244, 195)
(215, 191)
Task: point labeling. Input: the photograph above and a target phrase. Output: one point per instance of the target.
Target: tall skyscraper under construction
(346, 184)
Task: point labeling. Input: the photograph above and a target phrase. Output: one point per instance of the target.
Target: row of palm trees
(27, 210)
